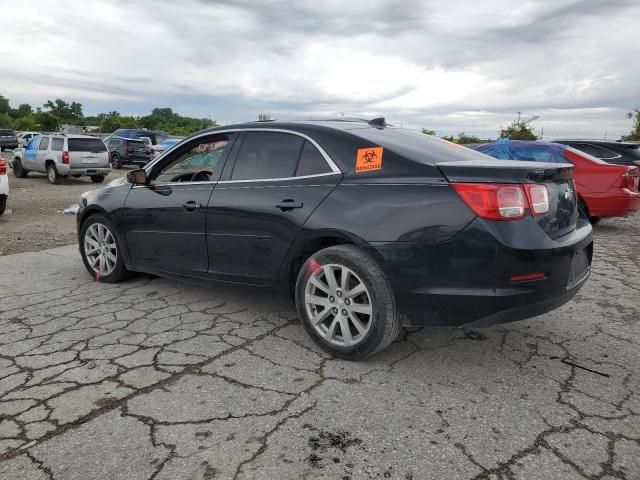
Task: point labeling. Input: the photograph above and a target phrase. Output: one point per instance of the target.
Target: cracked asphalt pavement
(157, 379)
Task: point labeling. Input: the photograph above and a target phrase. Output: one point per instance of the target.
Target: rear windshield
(417, 146)
(86, 145)
(5, 132)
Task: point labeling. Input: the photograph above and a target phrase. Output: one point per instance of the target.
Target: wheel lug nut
(347, 302)
(334, 310)
(344, 312)
(331, 299)
(339, 293)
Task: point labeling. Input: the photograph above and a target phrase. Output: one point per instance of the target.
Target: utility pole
(519, 116)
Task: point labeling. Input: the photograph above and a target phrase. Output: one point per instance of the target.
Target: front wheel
(100, 250)
(346, 303)
(18, 170)
(97, 178)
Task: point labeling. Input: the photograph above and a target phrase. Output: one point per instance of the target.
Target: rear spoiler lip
(505, 171)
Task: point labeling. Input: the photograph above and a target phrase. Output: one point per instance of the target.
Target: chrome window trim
(332, 165)
(282, 179)
(615, 155)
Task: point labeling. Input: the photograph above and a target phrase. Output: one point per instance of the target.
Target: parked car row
(604, 189)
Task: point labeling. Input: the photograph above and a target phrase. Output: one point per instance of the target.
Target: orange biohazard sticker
(368, 159)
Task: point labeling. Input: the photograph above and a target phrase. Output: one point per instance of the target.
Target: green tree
(23, 110)
(520, 129)
(66, 112)
(27, 122)
(5, 120)
(426, 131)
(46, 121)
(4, 104)
(449, 138)
(634, 135)
(465, 139)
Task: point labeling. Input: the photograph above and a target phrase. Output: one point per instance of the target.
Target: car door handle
(289, 204)
(191, 206)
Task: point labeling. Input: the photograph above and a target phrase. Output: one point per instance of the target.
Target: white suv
(4, 185)
(61, 155)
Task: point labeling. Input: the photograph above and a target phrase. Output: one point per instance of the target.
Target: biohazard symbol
(368, 159)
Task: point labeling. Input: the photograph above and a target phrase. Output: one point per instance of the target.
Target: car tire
(18, 170)
(116, 162)
(369, 315)
(95, 228)
(3, 203)
(52, 174)
(97, 178)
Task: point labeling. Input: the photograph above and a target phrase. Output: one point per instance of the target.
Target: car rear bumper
(467, 281)
(624, 201)
(4, 185)
(71, 170)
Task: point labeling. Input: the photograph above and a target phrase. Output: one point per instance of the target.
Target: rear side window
(595, 150)
(44, 143)
(86, 145)
(311, 161)
(57, 144)
(265, 155)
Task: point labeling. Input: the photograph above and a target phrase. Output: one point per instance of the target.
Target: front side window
(266, 155)
(44, 143)
(197, 164)
(57, 144)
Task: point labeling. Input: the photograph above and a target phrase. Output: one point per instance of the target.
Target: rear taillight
(65, 158)
(538, 197)
(109, 156)
(630, 179)
(494, 201)
(3, 166)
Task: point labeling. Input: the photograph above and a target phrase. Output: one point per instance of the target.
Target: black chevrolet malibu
(369, 227)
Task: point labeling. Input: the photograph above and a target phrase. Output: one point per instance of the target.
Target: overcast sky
(448, 65)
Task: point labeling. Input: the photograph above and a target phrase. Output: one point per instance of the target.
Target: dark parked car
(8, 139)
(127, 151)
(620, 153)
(369, 227)
(156, 136)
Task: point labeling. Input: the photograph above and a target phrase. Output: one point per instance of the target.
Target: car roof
(524, 143)
(66, 135)
(603, 142)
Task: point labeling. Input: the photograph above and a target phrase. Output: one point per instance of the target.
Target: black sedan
(369, 227)
(619, 153)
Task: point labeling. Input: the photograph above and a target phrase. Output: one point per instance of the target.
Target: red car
(604, 189)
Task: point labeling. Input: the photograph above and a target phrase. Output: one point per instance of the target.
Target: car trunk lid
(562, 216)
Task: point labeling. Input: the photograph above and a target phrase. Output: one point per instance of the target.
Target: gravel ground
(34, 219)
(157, 379)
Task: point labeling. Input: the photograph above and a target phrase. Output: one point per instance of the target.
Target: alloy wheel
(100, 249)
(338, 305)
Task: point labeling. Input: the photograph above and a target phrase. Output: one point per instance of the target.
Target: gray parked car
(61, 155)
(8, 139)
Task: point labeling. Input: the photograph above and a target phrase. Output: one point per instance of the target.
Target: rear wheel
(52, 174)
(18, 170)
(116, 162)
(346, 303)
(100, 250)
(97, 178)
(3, 203)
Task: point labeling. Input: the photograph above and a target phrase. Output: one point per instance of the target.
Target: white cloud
(454, 66)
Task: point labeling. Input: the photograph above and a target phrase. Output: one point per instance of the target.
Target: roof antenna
(378, 122)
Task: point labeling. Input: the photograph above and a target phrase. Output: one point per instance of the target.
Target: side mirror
(137, 177)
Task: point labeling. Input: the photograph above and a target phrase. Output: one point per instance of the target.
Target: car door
(165, 220)
(30, 153)
(275, 182)
(41, 155)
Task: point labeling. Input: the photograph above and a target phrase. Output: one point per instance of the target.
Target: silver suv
(60, 155)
